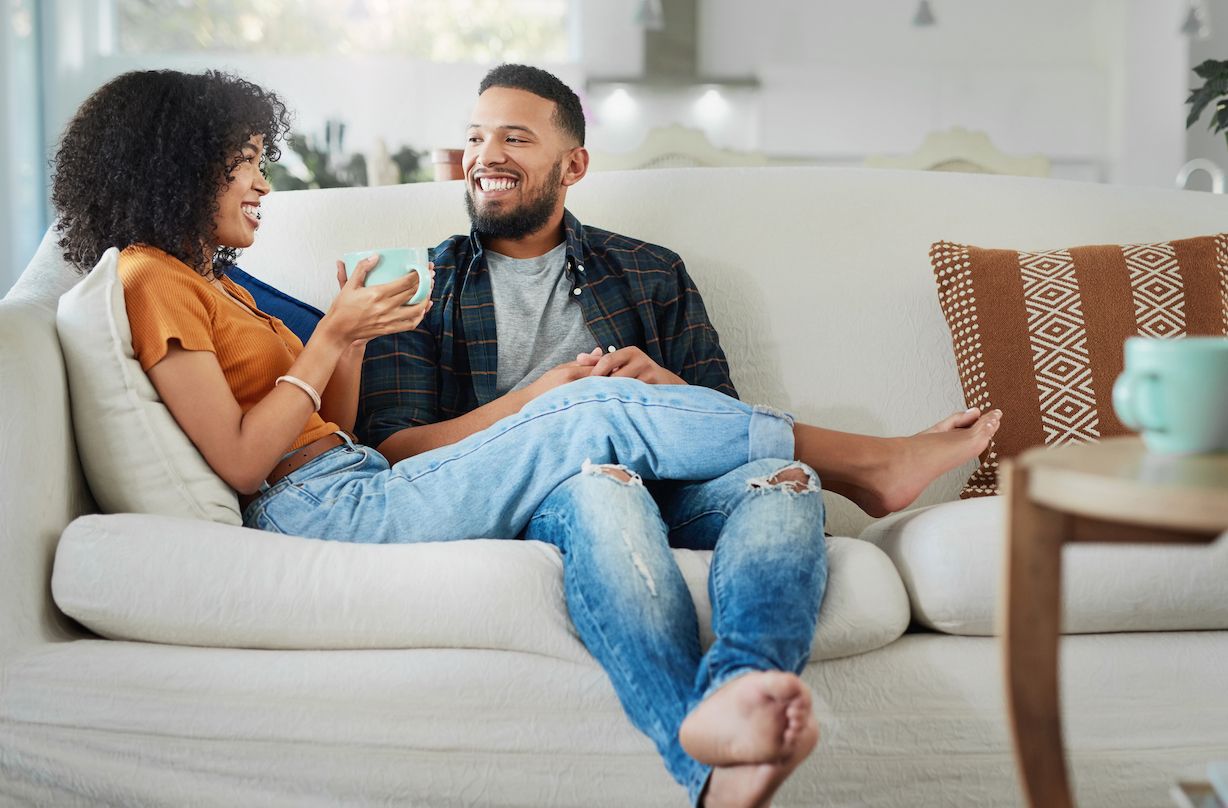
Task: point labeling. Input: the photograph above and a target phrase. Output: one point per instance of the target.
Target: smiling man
(532, 299)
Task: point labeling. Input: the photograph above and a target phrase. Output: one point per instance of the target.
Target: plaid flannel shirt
(631, 293)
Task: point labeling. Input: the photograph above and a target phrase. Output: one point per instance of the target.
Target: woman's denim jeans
(632, 608)
(491, 483)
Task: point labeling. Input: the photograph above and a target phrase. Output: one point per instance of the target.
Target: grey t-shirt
(538, 321)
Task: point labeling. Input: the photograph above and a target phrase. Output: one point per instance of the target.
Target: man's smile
(493, 186)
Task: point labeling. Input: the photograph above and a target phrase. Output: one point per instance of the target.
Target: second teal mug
(1174, 392)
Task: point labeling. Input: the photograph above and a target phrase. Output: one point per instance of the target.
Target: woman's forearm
(340, 396)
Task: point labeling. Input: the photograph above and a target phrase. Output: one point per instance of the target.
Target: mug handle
(1136, 402)
(424, 286)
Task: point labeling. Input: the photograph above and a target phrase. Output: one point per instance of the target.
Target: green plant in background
(324, 170)
(1215, 87)
(318, 166)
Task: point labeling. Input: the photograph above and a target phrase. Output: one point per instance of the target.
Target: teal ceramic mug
(394, 263)
(1175, 393)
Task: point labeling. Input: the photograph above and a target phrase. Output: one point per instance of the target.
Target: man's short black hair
(568, 113)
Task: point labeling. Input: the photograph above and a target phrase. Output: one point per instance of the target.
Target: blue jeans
(631, 606)
(491, 483)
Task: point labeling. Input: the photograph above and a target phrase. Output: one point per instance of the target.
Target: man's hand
(631, 363)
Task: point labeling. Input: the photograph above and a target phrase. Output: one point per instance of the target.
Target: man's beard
(521, 221)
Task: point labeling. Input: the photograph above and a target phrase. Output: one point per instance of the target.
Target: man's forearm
(415, 440)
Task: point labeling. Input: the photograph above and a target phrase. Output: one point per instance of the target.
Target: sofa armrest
(41, 486)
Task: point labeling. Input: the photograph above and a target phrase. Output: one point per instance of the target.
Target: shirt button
(611, 349)
(580, 267)
(575, 291)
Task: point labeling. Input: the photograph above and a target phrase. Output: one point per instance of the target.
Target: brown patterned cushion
(1039, 335)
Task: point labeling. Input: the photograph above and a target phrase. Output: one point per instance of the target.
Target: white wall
(1094, 85)
(611, 44)
(1147, 129)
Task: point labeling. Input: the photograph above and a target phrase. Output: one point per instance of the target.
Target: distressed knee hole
(620, 473)
(792, 478)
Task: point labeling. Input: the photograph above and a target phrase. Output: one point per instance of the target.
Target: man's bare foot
(899, 469)
(756, 718)
(752, 785)
(754, 731)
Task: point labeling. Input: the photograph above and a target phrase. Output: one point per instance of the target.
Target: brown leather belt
(296, 460)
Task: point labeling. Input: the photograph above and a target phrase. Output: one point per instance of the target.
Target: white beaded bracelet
(302, 385)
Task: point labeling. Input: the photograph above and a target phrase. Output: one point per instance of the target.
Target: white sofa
(449, 675)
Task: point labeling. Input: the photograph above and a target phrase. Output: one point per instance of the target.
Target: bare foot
(754, 731)
(756, 718)
(753, 785)
(959, 420)
(903, 467)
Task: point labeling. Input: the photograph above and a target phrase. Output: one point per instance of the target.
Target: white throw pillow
(135, 456)
(188, 582)
(950, 558)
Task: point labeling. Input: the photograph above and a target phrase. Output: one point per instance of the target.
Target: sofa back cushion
(134, 455)
(1039, 335)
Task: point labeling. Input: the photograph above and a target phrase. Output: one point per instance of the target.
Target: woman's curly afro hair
(144, 159)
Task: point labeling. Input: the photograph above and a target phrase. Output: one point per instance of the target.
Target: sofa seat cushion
(950, 558)
(192, 582)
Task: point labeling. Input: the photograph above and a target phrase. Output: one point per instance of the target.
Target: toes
(966, 418)
(959, 420)
(781, 686)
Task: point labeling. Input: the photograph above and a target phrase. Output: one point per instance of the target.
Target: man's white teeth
(252, 212)
(496, 183)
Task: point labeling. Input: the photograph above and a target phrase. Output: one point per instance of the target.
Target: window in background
(361, 74)
(23, 213)
(432, 30)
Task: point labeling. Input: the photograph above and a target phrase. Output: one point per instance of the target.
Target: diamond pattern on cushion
(1039, 335)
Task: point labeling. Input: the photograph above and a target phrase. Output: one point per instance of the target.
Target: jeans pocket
(281, 508)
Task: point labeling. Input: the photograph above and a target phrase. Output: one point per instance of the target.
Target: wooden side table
(1112, 491)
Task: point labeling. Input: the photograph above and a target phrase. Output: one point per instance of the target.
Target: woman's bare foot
(754, 731)
(756, 718)
(890, 473)
(960, 420)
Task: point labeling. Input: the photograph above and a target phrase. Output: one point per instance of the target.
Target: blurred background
(1089, 90)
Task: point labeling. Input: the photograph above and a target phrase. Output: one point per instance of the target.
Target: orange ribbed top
(167, 300)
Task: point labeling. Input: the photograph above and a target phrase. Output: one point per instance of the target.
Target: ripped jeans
(624, 591)
(632, 608)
